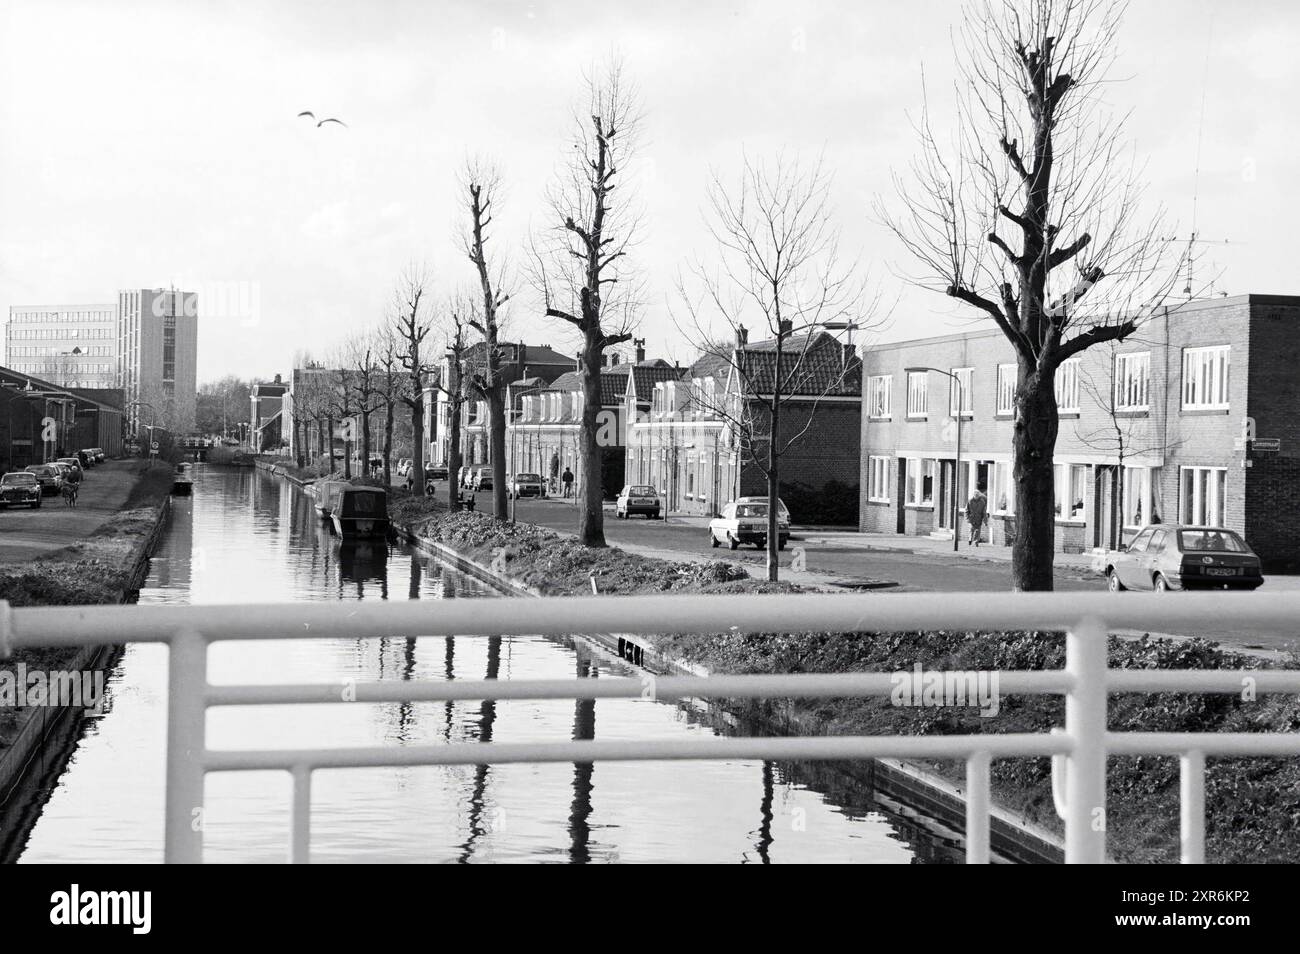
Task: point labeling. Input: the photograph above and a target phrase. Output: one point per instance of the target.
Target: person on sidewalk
(977, 509)
(567, 479)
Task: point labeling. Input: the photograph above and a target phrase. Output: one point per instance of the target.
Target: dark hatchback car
(20, 489)
(1184, 558)
(48, 476)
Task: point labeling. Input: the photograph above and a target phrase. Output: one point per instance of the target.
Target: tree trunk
(591, 513)
(365, 441)
(497, 442)
(417, 441)
(455, 459)
(388, 443)
(1033, 444)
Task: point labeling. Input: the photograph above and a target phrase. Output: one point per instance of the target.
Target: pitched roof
(649, 373)
(810, 365)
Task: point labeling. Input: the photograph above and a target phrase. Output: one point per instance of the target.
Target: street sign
(1269, 444)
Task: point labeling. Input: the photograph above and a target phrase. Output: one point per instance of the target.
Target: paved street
(26, 533)
(914, 564)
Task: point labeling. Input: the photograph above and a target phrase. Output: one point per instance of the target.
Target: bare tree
(454, 386)
(363, 380)
(390, 385)
(1033, 217)
(343, 407)
(411, 325)
(780, 270)
(582, 269)
(480, 186)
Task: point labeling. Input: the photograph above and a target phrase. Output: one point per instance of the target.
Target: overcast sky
(148, 143)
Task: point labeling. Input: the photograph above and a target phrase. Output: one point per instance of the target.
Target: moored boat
(360, 511)
(326, 494)
(183, 479)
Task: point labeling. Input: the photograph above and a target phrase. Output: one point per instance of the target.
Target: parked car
(78, 472)
(48, 476)
(744, 520)
(405, 466)
(524, 485)
(434, 471)
(482, 479)
(1175, 557)
(100, 456)
(20, 488)
(638, 498)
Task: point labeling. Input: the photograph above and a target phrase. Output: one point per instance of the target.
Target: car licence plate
(1221, 571)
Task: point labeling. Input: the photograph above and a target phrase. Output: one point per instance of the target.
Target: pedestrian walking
(977, 509)
(567, 479)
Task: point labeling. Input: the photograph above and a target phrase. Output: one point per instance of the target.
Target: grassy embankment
(1252, 805)
(94, 570)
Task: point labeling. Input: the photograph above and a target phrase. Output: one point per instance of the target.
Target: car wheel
(713, 539)
(780, 545)
(1112, 582)
(1161, 585)
(732, 542)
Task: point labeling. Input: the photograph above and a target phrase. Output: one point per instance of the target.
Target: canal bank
(1143, 792)
(247, 537)
(474, 548)
(125, 511)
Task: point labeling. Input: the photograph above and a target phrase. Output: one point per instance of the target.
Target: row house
(520, 363)
(546, 434)
(41, 421)
(1194, 418)
(698, 440)
(267, 400)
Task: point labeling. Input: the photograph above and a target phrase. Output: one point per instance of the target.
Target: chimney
(850, 352)
(742, 336)
(639, 344)
(613, 359)
(277, 380)
(521, 356)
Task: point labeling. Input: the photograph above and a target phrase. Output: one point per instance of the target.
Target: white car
(744, 520)
(404, 466)
(638, 498)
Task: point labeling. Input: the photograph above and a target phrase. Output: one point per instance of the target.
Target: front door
(947, 487)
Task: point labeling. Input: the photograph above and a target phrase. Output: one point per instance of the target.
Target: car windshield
(1223, 541)
(40, 470)
(641, 490)
(530, 477)
(751, 510)
(18, 479)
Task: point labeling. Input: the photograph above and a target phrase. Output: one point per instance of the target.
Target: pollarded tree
(480, 188)
(1032, 215)
(410, 325)
(582, 269)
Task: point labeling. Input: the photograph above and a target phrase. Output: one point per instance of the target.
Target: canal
(244, 537)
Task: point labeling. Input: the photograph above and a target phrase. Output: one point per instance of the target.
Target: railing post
(977, 809)
(1191, 808)
(300, 838)
(1085, 724)
(187, 683)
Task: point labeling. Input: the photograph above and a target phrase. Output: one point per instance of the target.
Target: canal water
(247, 537)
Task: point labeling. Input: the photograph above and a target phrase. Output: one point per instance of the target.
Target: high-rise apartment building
(73, 346)
(157, 344)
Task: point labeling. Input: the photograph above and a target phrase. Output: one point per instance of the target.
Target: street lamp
(956, 469)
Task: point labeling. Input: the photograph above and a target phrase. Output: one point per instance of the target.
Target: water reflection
(244, 536)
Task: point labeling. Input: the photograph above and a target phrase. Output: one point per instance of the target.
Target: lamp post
(956, 468)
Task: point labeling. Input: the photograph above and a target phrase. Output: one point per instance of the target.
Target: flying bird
(309, 113)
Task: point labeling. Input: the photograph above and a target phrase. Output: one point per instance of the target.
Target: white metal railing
(1079, 751)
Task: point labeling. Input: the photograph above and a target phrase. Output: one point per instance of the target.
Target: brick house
(692, 447)
(1151, 428)
(544, 439)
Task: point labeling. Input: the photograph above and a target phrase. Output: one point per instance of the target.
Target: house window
(1140, 496)
(1132, 376)
(878, 479)
(1003, 498)
(879, 405)
(1203, 495)
(918, 394)
(1067, 386)
(920, 482)
(961, 393)
(1070, 483)
(1006, 389)
(701, 484)
(1205, 378)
